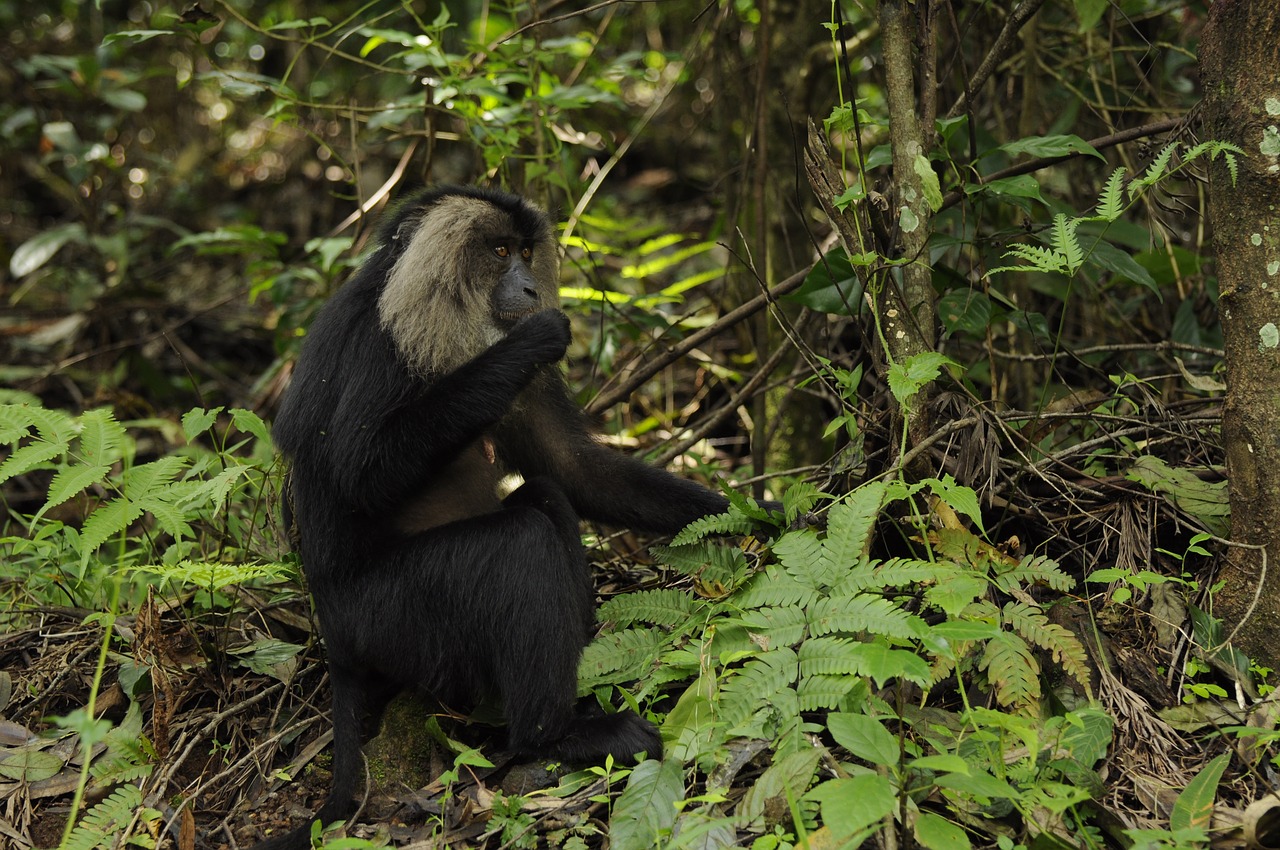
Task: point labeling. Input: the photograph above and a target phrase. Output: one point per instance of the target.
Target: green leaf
(1051, 146)
(29, 764)
(832, 286)
(1194, 806)
(908, 378)
(851, 805)
(101, 437)
(865, 737)
(71, 482)
(1089, 12)
(980, 785)
(928, 181)
(1111, 201)
(938, 833)
(967, 311)
(196, 421)
(1020, 186)
(39, 249)
(942, 763)
(251, 423)
(646, 809)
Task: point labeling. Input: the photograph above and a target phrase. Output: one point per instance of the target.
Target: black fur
(497, 600)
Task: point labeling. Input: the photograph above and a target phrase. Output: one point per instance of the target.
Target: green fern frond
(725, 523)
(102, 438)
(1032, 570)
(828, 656)
(1229, 157)
(755, 684)
(707, 559)
(900, 572)
(669, 607)
(800, 498)
(1111, 201)
(1158, 166)
(213, 575)
(619, 657)
(804, 557)
(114, 770)
(32, 456)
(820, 692)
(1012, 670)
(861, 613)
(774, 587)
(1066, 243)
(143, 481)
(850, 522)
(1031, 624)
(785, 626)
(105, 522)
(69, 483)
(104, 823)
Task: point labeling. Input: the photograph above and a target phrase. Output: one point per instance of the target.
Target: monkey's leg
(546, 598)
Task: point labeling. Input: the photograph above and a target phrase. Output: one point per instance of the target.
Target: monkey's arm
(550, 436)
(389, 435)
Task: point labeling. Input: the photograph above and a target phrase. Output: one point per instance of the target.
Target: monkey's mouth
(508, 318)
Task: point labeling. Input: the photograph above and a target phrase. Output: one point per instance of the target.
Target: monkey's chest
(466, 488)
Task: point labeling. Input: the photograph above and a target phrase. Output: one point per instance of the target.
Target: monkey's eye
(526, 254)
(502, 251)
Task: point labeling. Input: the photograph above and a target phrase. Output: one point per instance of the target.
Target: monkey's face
(472, 267)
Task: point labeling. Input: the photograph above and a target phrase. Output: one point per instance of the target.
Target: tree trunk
(1239, 55)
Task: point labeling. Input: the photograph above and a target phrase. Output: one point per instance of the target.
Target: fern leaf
(102, 824)
(860, 613)
(667, 607)
(823, 692)
(29, 457)
(1034, 569)
(1111, 201)
(101, 438)
(776, 587)
(706, 559)
(850, 521)
(1159, 165)
(800, 498)
(619, 656)
(803, 556)
(142, 481)
(1012, 670)
(828, 656)
(53, 426)
(725, 523)
(108, 520)
(1031, 624)
(783, 626)
(71, 482)
(756, 683)
(1066, 243)
(1233, 167)
(15, 422)
(213, 575)
(900, 572)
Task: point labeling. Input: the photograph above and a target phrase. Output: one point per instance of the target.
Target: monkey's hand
(544, 335)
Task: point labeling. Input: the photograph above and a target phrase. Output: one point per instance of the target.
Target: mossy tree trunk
(1240, 66)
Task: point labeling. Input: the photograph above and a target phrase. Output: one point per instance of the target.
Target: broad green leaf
(938, 833)
(980, 785)
(942, 763)
(832, 286)
(251, 423)
(1088, 735)
(1018, 186)
(646, 810)
(850, 805)
(196, 421)
(928, 181)
(39, 249)
(865, 737)
(1051, 146)
(1089, 12)
(1205, 500)
(966, 310)
(29, 764)
(1194, 806)
(906, 379)
(788, 777)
